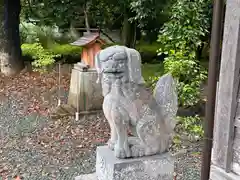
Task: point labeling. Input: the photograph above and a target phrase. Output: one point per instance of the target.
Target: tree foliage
(129, 16)
(181, 38)
(57, 12)
(148, 15)
(188, 26)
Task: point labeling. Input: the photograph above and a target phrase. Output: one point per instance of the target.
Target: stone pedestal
(108, 167)
(217, 173)
(85, 90)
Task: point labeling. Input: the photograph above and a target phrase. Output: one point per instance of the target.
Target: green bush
(67, 53)
(188, 128)
(149, 48)
(28, 33)
(148, 51)
(181, 38)
(191, 126)
(190, 76)
(41, 57)
(66, 49)
(45, 35)
(151, 72)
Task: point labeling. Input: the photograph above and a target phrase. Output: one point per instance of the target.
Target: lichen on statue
(128, 105)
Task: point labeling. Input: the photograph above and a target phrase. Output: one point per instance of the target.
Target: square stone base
(84, 93)
(108, 167)
(157, 167)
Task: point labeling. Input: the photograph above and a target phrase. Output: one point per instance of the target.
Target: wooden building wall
(226, 138)
(236, 140)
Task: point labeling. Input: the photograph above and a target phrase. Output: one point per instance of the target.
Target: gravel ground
(188, 165)
(35, 147)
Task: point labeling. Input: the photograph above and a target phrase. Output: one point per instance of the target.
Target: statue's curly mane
(129, 89)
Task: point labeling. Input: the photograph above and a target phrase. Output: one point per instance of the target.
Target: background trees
(183, 39)
(179, 30)
(130, 16)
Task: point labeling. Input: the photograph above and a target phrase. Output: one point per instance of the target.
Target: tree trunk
(10, 50)
(87, 22)
(129, 33)
(87, 4)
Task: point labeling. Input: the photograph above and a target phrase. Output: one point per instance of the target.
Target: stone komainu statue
(129, 106)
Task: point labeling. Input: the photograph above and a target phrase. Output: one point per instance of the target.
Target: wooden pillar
(228, 89)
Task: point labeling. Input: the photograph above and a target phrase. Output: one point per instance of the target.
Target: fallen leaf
(17, 178)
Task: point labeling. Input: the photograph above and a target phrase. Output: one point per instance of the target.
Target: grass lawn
(150, 70)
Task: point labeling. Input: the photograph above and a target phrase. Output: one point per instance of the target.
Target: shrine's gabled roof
(86, 39)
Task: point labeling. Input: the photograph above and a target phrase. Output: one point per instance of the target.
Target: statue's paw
(149, 152)
(137, 151)
(111, 143)
(134, 141)
(122, 152)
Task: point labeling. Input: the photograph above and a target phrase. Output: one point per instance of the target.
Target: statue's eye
(121, 65)
(120, 56)
(104, 60)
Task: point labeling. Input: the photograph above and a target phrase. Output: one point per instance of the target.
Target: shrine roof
(86, 39)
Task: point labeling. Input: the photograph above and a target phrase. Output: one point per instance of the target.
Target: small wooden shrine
(85, 95)
(92, 44)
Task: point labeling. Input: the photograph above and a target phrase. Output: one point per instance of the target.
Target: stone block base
(157, 167)
(217, 173)
(84, 92)
(108, 167)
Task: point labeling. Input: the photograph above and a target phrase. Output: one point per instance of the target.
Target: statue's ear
(98, 66)
(97, 62)
(134, 66)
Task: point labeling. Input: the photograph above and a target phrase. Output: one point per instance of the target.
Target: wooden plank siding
(236, 141)
(219, 174)
(226, 105)
(236, 147)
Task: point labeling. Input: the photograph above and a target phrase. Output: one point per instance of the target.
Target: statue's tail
(158, 120)
(165, 94)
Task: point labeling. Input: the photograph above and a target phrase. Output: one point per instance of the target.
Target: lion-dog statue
(129, 106)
